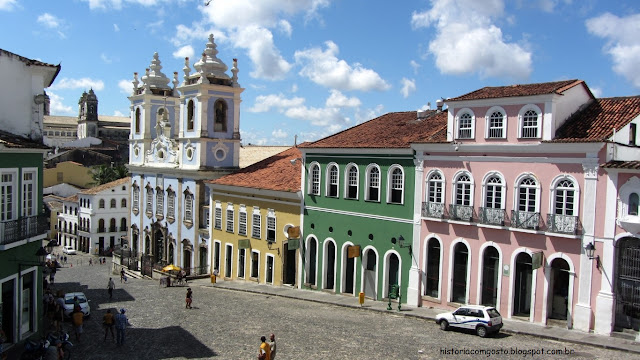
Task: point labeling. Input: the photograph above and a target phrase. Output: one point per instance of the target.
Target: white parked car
(484, 320)
(68, 250)
(69, 302)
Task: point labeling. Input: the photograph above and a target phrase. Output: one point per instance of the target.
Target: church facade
(182, 133)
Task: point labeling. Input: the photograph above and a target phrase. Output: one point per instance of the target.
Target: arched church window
(220, 124)
(190, 110)
(137, 121)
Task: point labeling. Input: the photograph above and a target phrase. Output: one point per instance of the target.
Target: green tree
(102, 174)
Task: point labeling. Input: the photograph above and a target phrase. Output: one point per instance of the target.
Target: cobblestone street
(228, 324)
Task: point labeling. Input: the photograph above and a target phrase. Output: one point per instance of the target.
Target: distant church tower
(88, 115)
(182, 133)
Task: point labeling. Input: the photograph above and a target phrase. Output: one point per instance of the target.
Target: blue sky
(314, 67)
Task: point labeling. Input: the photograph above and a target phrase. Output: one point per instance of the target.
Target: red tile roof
(556, 87)
(273, 173)
(597, 121)
(109, 185)
(392, 130)
(631, 165)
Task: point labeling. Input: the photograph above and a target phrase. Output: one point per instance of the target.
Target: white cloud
(317, 116)
(56, 107)
(324, 68)
(267, 61)
(337, 99)
(265, 103)
(623, 43)
(155, 26)
(185, 35)
(415, 66)
(263, 13)
(117, 4)
(463, 24)
(596, 91)
(279, 134)
(285, 27)
(106, 59)
(83, 83)
(8, 5)
(408, 86)
(49, 21)
(116, 28)
(125, 86)
(294, 88)
(183, 52)
(368, 114)
(120, 113)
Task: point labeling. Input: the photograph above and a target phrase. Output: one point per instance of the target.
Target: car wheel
(481, 331)
(444, 325)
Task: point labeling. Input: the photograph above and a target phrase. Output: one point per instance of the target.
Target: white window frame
(456, 182)
(271, 225)
(8, 213)
(241, 259)
(472, 128)
(489, 117)
(348, 181)
(394, 184)
(313, 187)
(441, 182)
(256, 226)
(555, 187)
(242, 223)
(501, 186)
(230, 218)
(159, 202)
(330, 181)
(217, 216)
(29, 207)
(149, 199)
(518, 186)
(370, 167)
(521, 125)
(135, 206)
(188, 206)
(101, 204)
(273, 270)
(171, 203)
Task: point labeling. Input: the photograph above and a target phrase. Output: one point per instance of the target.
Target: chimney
(439, 104)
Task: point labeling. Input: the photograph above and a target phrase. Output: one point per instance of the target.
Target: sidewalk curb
(429, 318)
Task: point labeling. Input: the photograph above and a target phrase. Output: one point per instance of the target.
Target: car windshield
(80, 300)
(493, 313)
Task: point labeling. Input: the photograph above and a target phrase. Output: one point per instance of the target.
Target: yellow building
(68, 172)
(255, 221)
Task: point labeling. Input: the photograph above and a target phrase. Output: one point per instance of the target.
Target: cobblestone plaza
(227, 324)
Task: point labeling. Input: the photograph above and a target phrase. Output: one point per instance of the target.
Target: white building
(68, 222)
(180, 136)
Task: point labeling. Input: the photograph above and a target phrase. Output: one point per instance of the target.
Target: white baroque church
(182, 133)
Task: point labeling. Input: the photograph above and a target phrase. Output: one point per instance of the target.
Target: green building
(359, 210)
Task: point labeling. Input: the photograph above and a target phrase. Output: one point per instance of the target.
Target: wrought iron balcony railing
(564, 224)
(525, 219)
(23, 228)
(433, 210)
(491, 216)
(461, 212)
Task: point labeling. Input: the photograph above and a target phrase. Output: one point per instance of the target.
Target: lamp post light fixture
(401, 244)
(589, 250)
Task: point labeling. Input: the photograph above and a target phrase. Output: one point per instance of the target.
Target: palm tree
(102, 174)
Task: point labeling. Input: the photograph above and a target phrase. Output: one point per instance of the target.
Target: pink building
(531, 178)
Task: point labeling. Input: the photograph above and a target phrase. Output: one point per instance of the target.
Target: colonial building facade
(255, 212)
(180, 136)
(532, 181)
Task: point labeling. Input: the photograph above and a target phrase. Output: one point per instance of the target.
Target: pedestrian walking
(123, 276)
(272, 345)
(189, 298)
(110, 288)
(58, 317)
(264, 352)
(90, 262)
(108, 323)
(121, 325)
(77, 318)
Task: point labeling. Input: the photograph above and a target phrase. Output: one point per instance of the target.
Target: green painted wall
(25, 160)
(359, 221)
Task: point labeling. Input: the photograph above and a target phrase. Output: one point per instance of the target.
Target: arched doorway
(627, 284)
(523, 276)
(490, 276)
(370, 274)
(432, 273)
(559, 285)
(310, 259)
(158, 246)
(348, 271)
(147, 245)
(186, 259)
(329, 265)
(460, 269)
(203, 264)
(393, 271)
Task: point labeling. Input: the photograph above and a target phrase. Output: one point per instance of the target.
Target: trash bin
(213, 279)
